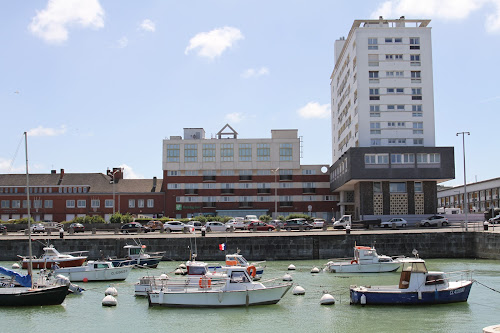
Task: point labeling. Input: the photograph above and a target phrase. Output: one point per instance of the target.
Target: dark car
(134, 227)
(155, 225)
(297, 224)
(2, 228)
(77, 227)
(260, 226)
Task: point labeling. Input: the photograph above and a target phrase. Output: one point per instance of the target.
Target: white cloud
(128, 172)
(442, 9)
(51, 24)
(122, 42)
(7, 167)
(314, 110)
(235, 117)
(211, 44)
(252, 72)
(44, 131)
(147, 25)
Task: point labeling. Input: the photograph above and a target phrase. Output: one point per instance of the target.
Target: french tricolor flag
(222, 246)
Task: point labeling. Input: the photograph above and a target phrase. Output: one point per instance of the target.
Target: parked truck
(346, 220)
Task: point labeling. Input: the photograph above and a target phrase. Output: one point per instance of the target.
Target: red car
(260, 226)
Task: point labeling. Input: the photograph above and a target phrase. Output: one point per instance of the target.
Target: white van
(251, 218)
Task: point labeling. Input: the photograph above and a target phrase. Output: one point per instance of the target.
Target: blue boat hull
(460, 294)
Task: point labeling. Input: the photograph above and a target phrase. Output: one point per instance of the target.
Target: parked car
(174, 226)
(197, 225)
(3, 227)
(277, 223)
(494, 220)
(434, 220)
(400, 222)
(37, 228)
(216, 226)
(297, 224)
(155, 225)
(134, 227)
(237, 224)
(77, 227)
(318, 223)
(260, 226)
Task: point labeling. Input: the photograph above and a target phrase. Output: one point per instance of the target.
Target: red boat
(51, 256)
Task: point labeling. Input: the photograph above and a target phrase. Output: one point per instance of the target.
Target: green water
(85, 313)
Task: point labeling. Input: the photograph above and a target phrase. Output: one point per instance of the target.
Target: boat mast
(30, 253)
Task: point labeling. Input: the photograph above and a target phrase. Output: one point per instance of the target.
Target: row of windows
(374, 75)
(409, 158)
(391, 91)
(399, 187)
(374, 59)
(400, 124)
(37, 190)
(394, 107)
(17, 204)
(396, 142)
(227, 152)
(258, 198)
(261, 172)
(212, 186)
(413, 41)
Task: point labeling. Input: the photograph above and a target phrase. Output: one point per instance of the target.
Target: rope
(498, 291)
(15, 155)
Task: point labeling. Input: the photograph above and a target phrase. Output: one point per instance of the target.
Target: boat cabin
(236, 260)
(366, 254)
(196, 268)
(100, 264)
(415, 274)
(136, 251)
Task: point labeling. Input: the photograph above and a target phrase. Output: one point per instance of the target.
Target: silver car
(174, 226)
(399, 222)
(216, 226)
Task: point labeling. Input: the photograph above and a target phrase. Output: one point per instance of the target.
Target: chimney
(154, 185)
(118, 173)
(53, 172)
(61, 176)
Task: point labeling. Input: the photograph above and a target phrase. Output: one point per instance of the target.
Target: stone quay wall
(278, 247)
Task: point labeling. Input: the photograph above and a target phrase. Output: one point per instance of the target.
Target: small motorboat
(417, 286)
(51, 255)
(366, 260)
(195, 270)
(237, 289)
(254, 269)
(95, 271)
(137, 255)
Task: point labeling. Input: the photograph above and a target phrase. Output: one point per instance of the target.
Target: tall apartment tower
(383, 134)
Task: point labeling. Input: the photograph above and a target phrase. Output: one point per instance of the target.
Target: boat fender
(327, 299)
(291, 267)
(315, 270)
(205, 282)
(362, 299)
(298, 290)
(252, 270)
(419, 293)
(354, 261)
(111, 291)
(109, 301)
(287, 277)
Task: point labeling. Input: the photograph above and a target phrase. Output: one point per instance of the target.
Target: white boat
(417, 286)
(95, 271)
(237, 289)
(366, 260)
(195, 270)
(137, 255)
(51, 256)
(254, 269)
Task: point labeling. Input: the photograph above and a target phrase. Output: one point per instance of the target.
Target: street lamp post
(113, 175)
(275, 193)
(466, 199)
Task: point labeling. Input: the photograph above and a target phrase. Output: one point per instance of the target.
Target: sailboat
(20, 290)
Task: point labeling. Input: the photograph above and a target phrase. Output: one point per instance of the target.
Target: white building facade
(383, 143)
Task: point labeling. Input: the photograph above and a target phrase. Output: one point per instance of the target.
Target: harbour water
(85, 313)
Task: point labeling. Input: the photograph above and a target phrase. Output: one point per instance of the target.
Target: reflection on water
(292, 314)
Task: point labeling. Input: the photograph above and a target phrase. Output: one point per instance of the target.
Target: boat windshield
(197, 270)
(136, 250)
(239, 277)
(416, 267)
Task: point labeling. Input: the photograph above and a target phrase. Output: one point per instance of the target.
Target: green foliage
(297, 216)
(265, 218)
(141, 220)
(88, 219)
(281, 218)
(200, 218)
(24, 220)
(127, 218)
(116, 218)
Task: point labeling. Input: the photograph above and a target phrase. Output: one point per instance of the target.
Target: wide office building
(230, 176)
(385, 161)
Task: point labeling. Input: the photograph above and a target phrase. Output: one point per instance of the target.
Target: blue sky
(100, 84)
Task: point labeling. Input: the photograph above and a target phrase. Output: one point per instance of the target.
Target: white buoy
(163, 276)
(291, 267)
(287, 277)
(109, 301)
(15, 265)
(327, 299)
(362, 299)
(111, 291)
(315, 270)
(298, 290)
(182, 266)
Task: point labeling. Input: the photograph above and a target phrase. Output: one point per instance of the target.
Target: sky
(99, 84)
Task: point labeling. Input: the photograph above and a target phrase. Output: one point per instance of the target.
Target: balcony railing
(286, 203)
(246, 204)
(208, 178)
(208, 204)
(285, 177)
(308, 190)
(191, 191)
(263, 190)
(227, 191)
